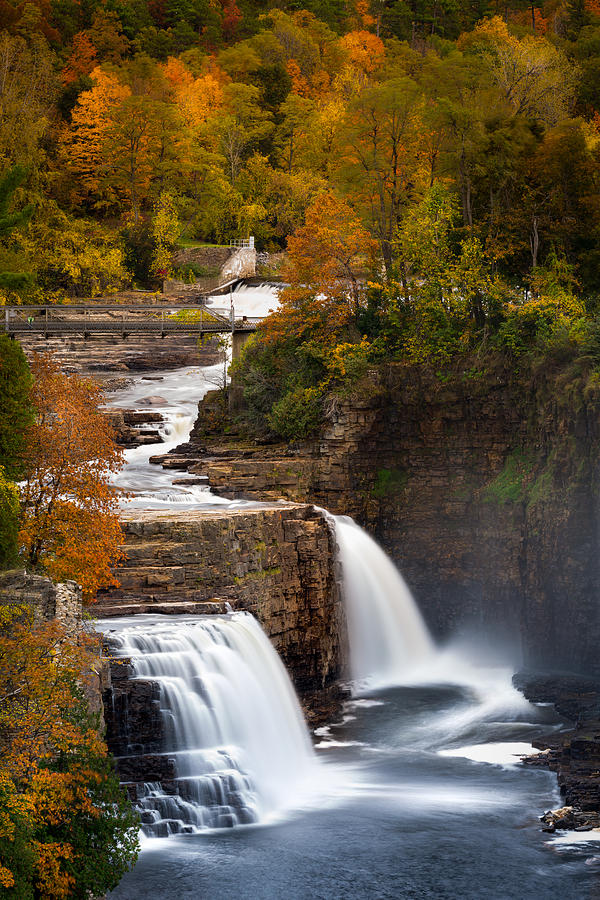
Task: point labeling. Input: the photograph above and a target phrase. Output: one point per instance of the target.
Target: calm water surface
(394, 817)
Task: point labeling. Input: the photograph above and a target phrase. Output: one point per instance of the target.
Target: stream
(417, 792)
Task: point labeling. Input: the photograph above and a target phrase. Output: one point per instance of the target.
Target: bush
(298, 414)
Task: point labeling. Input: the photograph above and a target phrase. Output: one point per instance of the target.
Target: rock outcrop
(483, 490)
(47, 601)
(62, 603)
(278, 563)
(574, 752)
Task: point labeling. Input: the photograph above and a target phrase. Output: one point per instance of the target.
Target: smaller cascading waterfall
(386, 633)
(232, 724)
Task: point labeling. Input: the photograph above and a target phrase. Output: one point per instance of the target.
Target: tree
(536, 79)
(84, 142)
(27, 89)
(242, 125)
(16, 411)
(73, 257)
(70, 524)
(9, 521)
(66, 827)
(9, 221)
(379, 160)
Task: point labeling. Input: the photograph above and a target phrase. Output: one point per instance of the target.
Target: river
(395, 818)
(417, 792)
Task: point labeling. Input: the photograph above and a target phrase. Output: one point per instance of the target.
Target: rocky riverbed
(573, 752)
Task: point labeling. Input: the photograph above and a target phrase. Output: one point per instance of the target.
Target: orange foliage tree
(70, 525)
(82, 60)
(66, 829)
(324, 259)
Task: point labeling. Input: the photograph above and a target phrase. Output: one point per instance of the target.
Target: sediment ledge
(277, 562)
(574, 752)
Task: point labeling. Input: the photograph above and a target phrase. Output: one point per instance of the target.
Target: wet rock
(277, 562)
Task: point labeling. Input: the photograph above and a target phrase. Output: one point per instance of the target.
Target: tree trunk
(534, 242)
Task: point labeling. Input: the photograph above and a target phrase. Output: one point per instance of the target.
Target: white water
(232, 722)
(389, 645)
(175, 395)
(386, 632)
(255, 301)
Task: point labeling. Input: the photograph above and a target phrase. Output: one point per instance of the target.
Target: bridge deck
(123, 320)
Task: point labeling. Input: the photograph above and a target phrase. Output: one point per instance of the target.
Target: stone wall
(62, 603)
(224, 263)
(278, 563)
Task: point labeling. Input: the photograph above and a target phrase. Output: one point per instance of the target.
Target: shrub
(298, 414)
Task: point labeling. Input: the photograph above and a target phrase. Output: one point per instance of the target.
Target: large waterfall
(386, 633)
(231, 721)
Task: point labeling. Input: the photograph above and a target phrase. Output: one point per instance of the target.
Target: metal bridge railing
(124, 320)
(240, 243)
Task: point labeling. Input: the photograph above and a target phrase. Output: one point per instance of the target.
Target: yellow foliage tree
(65, 829)
(536, 78)
(84, 143)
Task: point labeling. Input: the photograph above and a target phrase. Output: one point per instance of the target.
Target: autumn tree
(66, 827)
(286, 372)
(28, 86)
(535, 77)
(379, 148)
(70, 524)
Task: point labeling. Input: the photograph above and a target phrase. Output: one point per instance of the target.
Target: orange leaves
(90, 122)
(70, 522)
(325, 256)
(197, 97)
(326, 250)
(82, 59)
(47, 751)
(53, 882)
(365, 51)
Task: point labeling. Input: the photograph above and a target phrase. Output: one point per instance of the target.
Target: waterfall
(232, 724)
(386, 633)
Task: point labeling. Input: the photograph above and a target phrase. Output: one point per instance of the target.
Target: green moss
(509, 485)
(389, 482)
(258, 576)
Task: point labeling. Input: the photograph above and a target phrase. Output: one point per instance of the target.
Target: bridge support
(238, 342)
(235, 395)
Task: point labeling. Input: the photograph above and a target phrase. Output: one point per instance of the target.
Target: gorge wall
(484, 492)
(276, 562)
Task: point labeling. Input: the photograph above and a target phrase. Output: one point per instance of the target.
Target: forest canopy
(134, 127)
(432, 168)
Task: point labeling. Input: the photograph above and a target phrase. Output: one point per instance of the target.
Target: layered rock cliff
(483, 489)
(277, 563)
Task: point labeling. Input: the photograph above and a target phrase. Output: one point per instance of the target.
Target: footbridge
(92, 319)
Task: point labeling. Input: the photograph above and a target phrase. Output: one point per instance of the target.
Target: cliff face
(484, 493)
(278, 563)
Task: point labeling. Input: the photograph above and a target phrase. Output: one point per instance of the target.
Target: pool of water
(405, 808)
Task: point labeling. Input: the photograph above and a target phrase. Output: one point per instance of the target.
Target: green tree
(10, 220)
(9, 521)
(16, 413)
